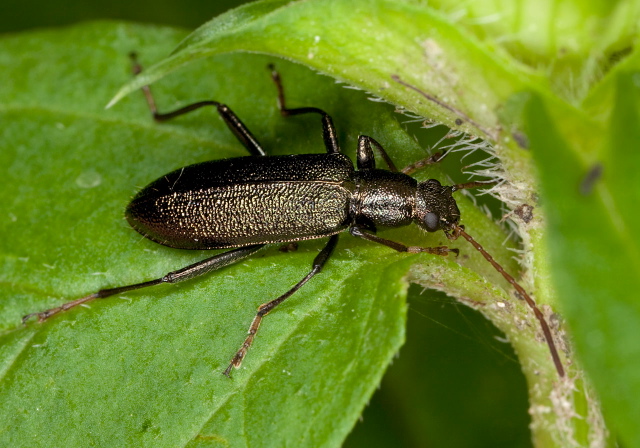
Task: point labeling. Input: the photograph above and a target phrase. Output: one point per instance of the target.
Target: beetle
(245, 203)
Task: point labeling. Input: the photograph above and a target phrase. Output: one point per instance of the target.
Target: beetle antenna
(459, 230)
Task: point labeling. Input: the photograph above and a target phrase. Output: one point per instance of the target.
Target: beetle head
(436, 209)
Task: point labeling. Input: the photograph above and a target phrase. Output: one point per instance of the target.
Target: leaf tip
(114, 100)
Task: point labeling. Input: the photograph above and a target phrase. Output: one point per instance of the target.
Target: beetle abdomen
(237, 206)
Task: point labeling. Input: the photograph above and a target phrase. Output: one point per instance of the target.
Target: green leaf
(145, 371)
(593, 244)
(468, 77)
(462, 78)
(465, 78)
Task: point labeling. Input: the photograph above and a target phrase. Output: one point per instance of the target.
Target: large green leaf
(146, 370)
(593, 238)
(467, 81)
(127, 373)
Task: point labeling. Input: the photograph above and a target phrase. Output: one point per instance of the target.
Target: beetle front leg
(433, 159)
(438, 250)
(265, 308)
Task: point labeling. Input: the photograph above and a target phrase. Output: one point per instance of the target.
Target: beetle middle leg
(265, 308)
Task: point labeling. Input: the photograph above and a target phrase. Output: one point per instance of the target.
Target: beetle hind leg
(194, 270)
(329, 133)
(232, 121)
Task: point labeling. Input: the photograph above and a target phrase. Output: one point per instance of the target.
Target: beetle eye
(432, 221)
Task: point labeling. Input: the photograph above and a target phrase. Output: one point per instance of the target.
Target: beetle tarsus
(438, 250)
(46, 314)
(235, 363)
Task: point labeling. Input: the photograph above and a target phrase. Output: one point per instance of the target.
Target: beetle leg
(433, 159)
(366, 159)
(329, 134)
(476, 184)
(194, 270)
(265, 308)
(439, 250)
(230, 118)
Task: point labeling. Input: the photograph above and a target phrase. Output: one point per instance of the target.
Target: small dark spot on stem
(524, 212)
(618, 56)
(592, 176)
(521, 139)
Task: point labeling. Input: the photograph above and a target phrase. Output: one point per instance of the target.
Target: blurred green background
(454, 384)
(19, 15)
